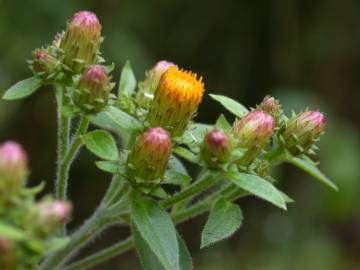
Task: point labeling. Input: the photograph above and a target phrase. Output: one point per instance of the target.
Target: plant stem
(63, 170)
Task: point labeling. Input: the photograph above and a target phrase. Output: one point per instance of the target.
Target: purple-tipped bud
(271, 106)
(301, 131)
(45, 64)
(148, 160)
(92, 93)
(152, 78)
(53, 213)
(81, 41)
(7, 254)
(216, 148)
(13, 168)
(254, 129)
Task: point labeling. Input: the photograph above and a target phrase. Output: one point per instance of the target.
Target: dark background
(306, 53)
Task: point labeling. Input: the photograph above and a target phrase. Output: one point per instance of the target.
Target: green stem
(63, 170)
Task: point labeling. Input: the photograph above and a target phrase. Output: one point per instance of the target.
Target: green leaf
(116, 120)
(195, 133)
(231, 105)
(110, 167)
(184, 255)
(259, 187)
(157, 230)
(176, 173)
(56, 243)
(11, 232)
(224, 220)
(223, 124)
(23, 88)
(185, 154)
(313, 171)
(102, 144)
(127, 82)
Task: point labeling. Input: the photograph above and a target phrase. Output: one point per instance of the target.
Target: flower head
(13, 168)
(92, 93)
(177, 96)
(81, 41)
(53, 213)
(271, 106)
(45, 64)
(254, 129)
(148, 160)
(301, 131)
(148, 86)
(216, 148)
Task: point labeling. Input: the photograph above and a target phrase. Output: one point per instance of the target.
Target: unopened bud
(271, 106)
(7, 254)
(148, 160)
(177, 96)
(53, 213)
(216, 148)
(13, 168)
(302, 131)
(152, 78)
(254, 129)
(92, 93)
(81, 41)
(45, 64)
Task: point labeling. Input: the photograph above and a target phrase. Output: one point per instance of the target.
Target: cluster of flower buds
(13, 169)
(253, 132)
(177, 96)
(216, 148)
(148, 86)
(7, 254)
(45, 64)
(93, 90)
(300, 132)
(81, 41)
(147, 162)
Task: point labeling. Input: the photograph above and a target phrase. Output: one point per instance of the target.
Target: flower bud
(177, 97)
(148, 160)
(301, 131)
(53, 213)
(216, 148)
(93, 91)
(81, 41)
(45, 64)
(254, 129)
(7, 254)
(152, 78)
(271, 106)
(13, 168)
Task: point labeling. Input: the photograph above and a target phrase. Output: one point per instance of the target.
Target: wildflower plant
(141, 136)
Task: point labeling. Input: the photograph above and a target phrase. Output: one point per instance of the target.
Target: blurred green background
(306, 53)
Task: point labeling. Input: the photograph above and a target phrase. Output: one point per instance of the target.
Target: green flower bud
(13, 169)
(271, 106)
(148, 86)
(45, 64)
(301, 131)
(216, 148)
(81, 41)
(93, 91)
(148, 160)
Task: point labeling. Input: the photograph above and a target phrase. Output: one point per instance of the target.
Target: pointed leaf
(102, 144)
(11, 232)
(230, 104)
(223, 124)
(224, 219)
(259, 187)
(313, 171)
(127, 82)
(23, 88)
(157, 230)
(185, 256)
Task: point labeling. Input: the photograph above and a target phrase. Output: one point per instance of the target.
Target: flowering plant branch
(143, 135)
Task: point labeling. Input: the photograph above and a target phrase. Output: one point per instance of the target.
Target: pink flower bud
(148, 160)
(254, 129)
(7, 254)
(216, 148)
(13, 168)
(152, 78)
(271, 106)
(82, 40)
(53, 212)
(301, 131)
(92, 93)
(45, 64)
